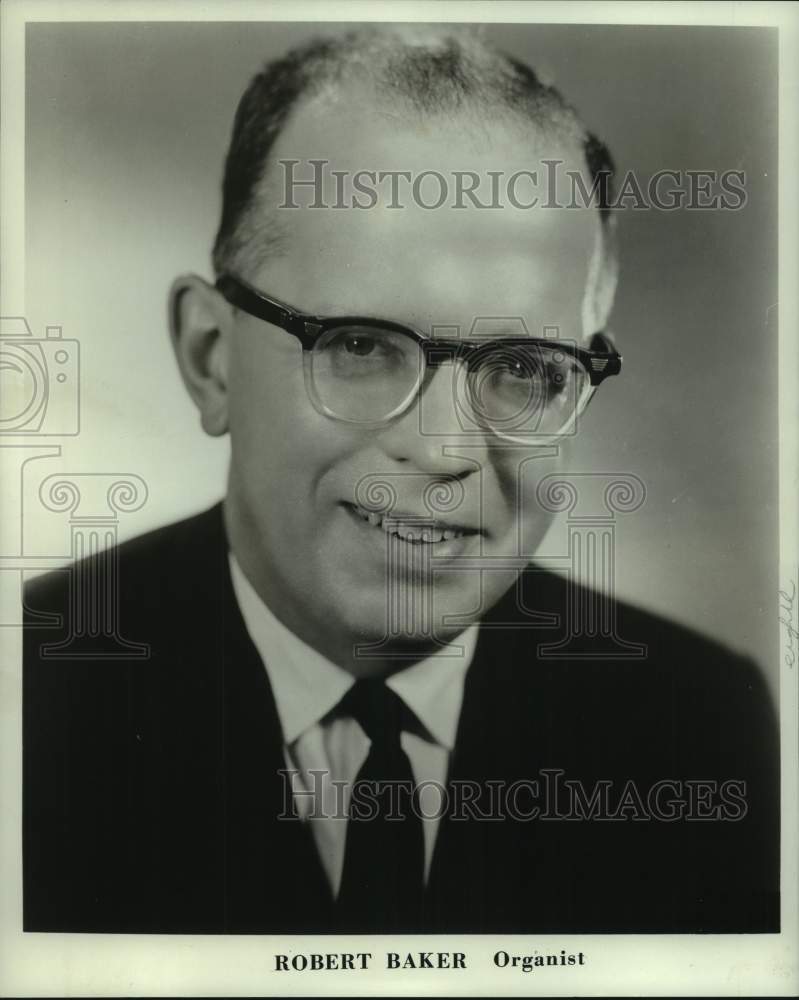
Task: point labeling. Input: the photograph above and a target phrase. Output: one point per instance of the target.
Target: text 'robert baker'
(355, 960)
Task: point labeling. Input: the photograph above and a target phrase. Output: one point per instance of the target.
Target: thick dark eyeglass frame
(599, 361)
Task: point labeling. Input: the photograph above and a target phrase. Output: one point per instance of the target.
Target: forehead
(415, 263)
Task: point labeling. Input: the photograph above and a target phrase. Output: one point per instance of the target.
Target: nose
(431, 436)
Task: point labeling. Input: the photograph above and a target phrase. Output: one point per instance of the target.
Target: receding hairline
(419, 72)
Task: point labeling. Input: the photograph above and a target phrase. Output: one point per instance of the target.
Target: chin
(416, 623)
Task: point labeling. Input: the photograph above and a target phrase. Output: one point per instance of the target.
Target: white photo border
(625, 965)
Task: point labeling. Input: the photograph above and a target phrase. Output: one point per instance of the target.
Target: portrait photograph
(399, 549)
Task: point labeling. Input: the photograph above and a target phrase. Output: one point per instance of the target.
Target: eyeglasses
(369, 371)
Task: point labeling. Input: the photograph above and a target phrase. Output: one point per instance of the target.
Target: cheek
(265, 378)
(266, 394)
(517, 476)
(281, 446)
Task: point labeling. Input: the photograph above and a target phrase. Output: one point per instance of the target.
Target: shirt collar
(307, 686)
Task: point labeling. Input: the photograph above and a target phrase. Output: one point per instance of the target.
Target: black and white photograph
(399, 553)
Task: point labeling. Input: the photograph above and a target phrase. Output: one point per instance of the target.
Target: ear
(603, 276)
(200, 322)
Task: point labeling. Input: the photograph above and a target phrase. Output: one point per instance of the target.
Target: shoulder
(143, 617)
(548, 609)
(606, 665)
(138, 571)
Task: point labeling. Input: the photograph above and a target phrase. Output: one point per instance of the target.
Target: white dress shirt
(306, 686)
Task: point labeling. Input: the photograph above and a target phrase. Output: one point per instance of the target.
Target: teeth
(409, 533)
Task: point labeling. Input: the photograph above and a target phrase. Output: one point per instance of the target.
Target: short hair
(432, 71)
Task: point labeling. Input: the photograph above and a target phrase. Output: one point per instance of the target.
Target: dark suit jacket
(151, 788)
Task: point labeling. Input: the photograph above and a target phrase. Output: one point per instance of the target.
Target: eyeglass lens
(366, 374)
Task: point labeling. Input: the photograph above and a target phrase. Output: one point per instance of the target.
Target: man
(355, 628)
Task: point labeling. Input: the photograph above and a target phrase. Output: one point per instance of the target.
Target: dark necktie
(382, 880)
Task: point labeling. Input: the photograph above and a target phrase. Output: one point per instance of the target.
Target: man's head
(301, 482)
(414, 70)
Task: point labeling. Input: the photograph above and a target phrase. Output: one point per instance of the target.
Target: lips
(412, 528)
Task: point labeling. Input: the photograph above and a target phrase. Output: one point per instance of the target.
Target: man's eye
(557, 377)
(360, 346)
(362, 353)
(355, 343)
(520, 370)
(547, 375)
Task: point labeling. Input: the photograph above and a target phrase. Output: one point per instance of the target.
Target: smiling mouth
(416, 531)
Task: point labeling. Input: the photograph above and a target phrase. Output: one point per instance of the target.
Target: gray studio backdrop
(126, 130)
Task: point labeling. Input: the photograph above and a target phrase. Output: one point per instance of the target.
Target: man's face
(300, 481)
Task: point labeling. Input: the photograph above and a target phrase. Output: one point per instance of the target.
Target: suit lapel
(273, 877)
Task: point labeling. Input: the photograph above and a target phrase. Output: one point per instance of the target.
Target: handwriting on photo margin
(788, 620)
